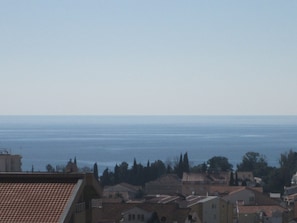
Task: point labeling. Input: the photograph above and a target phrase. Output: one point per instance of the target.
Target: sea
(110, 140)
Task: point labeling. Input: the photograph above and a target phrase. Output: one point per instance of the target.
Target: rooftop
(36, 197)
(268, 210)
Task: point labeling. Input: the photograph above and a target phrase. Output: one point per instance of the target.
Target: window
(251, 199)
(129, 217)
(80, 207)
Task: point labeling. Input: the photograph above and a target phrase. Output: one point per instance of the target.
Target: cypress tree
(180, 167)
(116, 174)
(95, 170)
(236, 179)
(186, 166)
(231, 182)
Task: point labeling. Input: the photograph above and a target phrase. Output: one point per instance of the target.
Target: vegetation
(273, 178)
(139, 174)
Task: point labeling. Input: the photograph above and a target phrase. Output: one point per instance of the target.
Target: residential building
(167, 184)
(123, 191)
(140, 212)
(247, 178)
(71, 166)
(206, 209)
(137, 214)
(9, 162)
(162, 198)
(253, 206)
(290, 194)
(261, 213)
(220, 178)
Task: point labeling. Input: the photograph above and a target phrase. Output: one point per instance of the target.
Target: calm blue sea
(108, 140)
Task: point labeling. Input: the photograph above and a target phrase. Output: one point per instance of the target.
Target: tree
(158, 169)
(288, 167)
(136, 174)
(85, 169)
(274, 181)
(106, 179)
(254, 162)
(185, 164)
(182, 166)
(179, 167)
(168, 169)
(200, 168)
(236, 179)
(96, 171)
(116, 174)
(50, 168)
(60, 168)
(231, 182)
(219, 163)
(123, 173)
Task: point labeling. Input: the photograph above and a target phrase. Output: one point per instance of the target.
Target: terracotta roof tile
(33, 202)
(268, 209)
(170, 211)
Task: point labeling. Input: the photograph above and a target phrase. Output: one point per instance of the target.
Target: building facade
(9, 162)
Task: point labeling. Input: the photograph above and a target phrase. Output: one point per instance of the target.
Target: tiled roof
(122, 187)
(33, 202)
(207, 178)
(167, 178)
(25, 200)
(202, 189)
(268, 210)
(262, 199)
(193, 177)
(259, 197)
(170, 211)
(161, 199)
(245, 175)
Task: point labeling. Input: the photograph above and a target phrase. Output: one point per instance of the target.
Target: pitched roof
(161, 199)
(199, 177)
(260, 198)
(113, 212)
(207, 178)
(167, 178)
(36, 197)
(122, 187)
(245, 175)
(203, 189)
(268, 209)
(290, 190)
(166, 184)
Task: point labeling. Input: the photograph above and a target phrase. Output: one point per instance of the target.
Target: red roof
(32, 201)
(267, 209)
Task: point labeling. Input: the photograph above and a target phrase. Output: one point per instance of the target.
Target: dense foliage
(139, 174)
(274, 178)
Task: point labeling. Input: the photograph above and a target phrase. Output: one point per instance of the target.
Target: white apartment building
(9, 162)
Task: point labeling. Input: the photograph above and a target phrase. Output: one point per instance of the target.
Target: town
(207, 193)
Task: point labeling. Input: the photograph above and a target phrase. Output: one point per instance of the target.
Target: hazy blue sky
(148, 57)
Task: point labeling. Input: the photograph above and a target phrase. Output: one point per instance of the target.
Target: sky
(167, 57)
